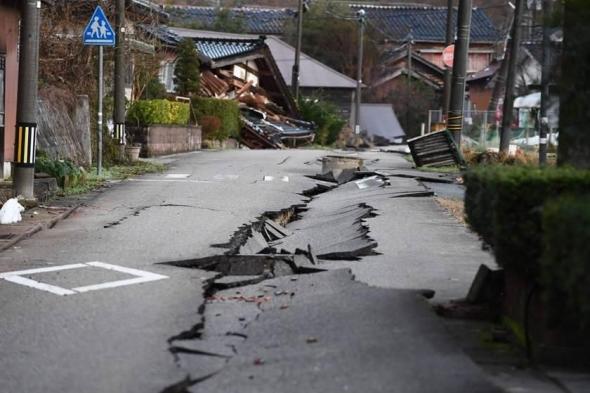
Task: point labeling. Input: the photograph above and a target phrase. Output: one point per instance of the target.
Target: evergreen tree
(186, 72)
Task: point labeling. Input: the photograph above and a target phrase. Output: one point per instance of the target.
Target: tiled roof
(313, 73)
(217, 49)
(425, 23)
(254, 20)
(162, 33)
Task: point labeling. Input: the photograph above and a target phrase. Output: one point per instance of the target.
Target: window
(167, 75)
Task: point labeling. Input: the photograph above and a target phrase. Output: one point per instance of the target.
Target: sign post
(98, 32)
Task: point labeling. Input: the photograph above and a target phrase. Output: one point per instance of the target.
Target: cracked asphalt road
(140, 337)
(116, 340)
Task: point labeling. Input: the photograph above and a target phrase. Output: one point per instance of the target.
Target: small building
(396, 65)
(426, 27)
(315, 78)
(9, 36)
(380, 124)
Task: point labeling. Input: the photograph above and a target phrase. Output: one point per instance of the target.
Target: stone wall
(159, 140)
(64, 127)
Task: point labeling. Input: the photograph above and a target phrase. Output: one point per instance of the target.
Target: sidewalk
(34, 220)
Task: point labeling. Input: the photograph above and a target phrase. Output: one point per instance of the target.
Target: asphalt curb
(38, 227)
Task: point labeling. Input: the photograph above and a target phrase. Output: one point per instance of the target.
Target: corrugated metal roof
(221, 48)
(313, 73)
(254, 20)
(425, 23)
(380, 120)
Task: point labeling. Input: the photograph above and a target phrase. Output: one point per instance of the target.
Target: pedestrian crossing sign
(98, 31)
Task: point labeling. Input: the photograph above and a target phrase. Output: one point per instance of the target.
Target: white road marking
(39, 285)
(141, 276)
(177, 175)
(43, 270)
(169, 181)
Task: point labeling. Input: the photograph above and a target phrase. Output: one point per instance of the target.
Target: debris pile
(264, 123)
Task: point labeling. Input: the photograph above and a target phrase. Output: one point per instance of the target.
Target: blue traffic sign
(98, 31)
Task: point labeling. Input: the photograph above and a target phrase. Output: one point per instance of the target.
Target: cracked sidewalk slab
(334, 334)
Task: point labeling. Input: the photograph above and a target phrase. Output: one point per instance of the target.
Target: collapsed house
(245, 70)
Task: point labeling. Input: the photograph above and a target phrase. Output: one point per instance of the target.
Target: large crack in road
(330, 225)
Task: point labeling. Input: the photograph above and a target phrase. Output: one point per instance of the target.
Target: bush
(210, 126)
(505, 204)
(61, 170)
(226, 111)
(565, 262)
(325, 116)
(147, 112)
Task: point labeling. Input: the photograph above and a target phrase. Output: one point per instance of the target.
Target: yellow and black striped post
(120, 133)
(25, 144)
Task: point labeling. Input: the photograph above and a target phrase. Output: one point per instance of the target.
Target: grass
(116, 172)
(455, 207)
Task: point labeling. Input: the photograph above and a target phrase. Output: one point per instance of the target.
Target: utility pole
(26, 117)
(461, 56)
(506, 130)
(119, 112)
(448, 73)
(295, 72)
(545, 82)
(359, 72)
(503, 71)
(410, 39)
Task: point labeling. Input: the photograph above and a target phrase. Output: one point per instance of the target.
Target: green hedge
(61, 170)
(146, 112)
(565, 262)
(325, 116)
(505, 204)
(226, 111)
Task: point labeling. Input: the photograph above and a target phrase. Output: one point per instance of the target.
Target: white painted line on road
(169, 181)
(177, 175)
(43, 270)
(141, 276)
(39, 285)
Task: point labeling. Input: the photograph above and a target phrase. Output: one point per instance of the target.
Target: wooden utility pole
(506, 130)
(448, 72)
(295, 71)
(574, 137)
(120, 68)
(500, 84)
(545, 82)
(359, 71)
(461, 57)
(26, 111)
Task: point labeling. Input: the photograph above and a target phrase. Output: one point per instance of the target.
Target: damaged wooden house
(245, 70)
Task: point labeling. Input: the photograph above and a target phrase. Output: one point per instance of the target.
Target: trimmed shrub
(148, 112)
(325, 116)
(61, 170)
(505, 206)
(226, 111)
(565, 262)
(210, 126)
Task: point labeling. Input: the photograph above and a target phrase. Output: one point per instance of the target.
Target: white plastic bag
(10, 212)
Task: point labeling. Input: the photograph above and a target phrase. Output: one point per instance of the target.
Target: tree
(186, 72)
(574, 135)
(330, 36)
